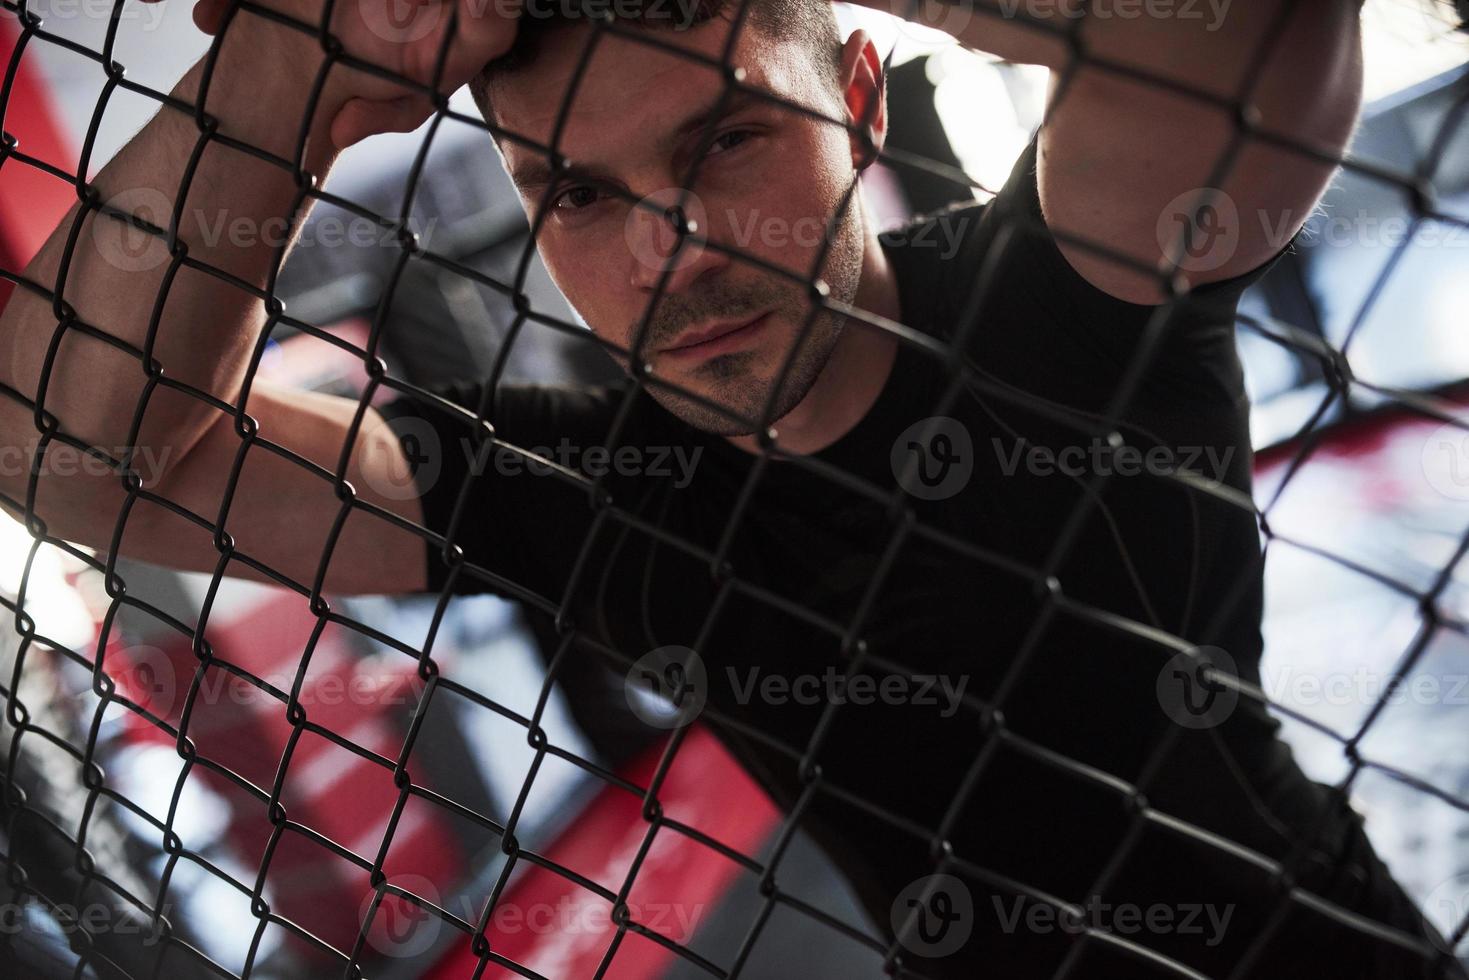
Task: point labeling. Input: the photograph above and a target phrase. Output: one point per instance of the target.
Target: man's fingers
(208, 14)
(361, 118)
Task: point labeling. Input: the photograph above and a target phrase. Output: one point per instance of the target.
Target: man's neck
(855, 374)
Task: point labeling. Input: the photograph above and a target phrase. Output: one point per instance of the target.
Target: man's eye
(575, 198)
(725, 142)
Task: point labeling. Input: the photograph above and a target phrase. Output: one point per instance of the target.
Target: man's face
(771, 181)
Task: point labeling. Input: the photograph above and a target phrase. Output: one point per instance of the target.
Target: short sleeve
(523, 505)
(1032, 320)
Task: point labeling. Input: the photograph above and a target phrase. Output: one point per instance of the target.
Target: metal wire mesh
(26, 873)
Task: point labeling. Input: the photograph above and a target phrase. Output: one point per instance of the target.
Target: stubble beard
(735, 387)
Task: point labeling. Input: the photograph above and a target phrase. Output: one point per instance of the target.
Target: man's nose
(665, 234)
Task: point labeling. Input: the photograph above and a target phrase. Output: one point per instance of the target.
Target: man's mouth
(719, 337)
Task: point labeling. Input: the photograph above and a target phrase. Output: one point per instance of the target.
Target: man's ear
(865, 96)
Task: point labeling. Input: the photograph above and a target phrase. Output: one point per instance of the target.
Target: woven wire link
(989, 713)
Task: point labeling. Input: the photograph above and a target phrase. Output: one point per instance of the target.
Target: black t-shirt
(779, 573)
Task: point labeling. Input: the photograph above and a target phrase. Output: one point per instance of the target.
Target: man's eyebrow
(716, 110)
(535, 171)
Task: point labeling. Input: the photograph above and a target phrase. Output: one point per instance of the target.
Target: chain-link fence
(1005, 669)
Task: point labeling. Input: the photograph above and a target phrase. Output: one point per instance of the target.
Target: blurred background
(1377, 509)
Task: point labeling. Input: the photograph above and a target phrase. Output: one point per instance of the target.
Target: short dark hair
(809, 22)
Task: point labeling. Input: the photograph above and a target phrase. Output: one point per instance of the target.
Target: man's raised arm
(1148, 98)
(208, 323)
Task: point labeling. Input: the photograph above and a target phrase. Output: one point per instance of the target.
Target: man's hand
(403, 37)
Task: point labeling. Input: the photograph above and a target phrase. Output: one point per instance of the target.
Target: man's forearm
(1205, 46)
(116, 274)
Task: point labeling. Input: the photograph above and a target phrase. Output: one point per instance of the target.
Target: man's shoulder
(936, 234)
(923, 252)
(959, 233)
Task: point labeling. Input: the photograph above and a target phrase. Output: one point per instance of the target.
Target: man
(1013, 611)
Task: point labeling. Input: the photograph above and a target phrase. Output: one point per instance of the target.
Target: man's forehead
(630, 91)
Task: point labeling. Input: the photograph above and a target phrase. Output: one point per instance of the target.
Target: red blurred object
(31, 201)
(329, 789)
(557, 928)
